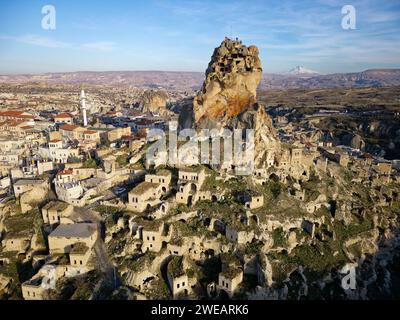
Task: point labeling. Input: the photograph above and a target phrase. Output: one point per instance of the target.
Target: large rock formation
(31, 199)
(228, 98)
(266, 143)
(232, 78)
(154, 102)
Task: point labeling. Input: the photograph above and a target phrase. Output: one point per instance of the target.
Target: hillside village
(84, 214)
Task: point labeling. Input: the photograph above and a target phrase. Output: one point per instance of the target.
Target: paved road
(102, 257)
(87, 214)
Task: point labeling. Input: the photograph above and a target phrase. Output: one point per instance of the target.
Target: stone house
(189, 186)
(65, 236)
(163, 177)
(284, 160)
(229, 279)
(118, 133)
(61, 155)
(251, 199)
(195, 175)
(79, 256)
(207, 195)
(45, 279)
(83, 173)
(16, 115)
(178, 280)
(179, 284)
(44, 166)
(145, 195)
(71, 132)
(33, 289)
(55, 144)
(65, 176)
(24, 185)
(153, 234)
(70, 192)
(53, 211)
(64, 118)
(238, 233)
(16, 242)
(296, 156)
(91, 135)
(12, 159)
(161, 211)
(187, 193)
(260, 176)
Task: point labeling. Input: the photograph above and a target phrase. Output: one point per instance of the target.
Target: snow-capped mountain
(300, 70)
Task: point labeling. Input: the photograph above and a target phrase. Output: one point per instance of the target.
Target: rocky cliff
(228, 98)
(266, 142)
(154, 102)
(232, 78)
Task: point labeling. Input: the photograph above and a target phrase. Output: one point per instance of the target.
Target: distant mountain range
(300, 70)
(299, 77)
(368, 78)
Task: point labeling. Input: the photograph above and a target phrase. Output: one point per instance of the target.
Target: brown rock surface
(232, 78)
(229, 99)
(154, 102)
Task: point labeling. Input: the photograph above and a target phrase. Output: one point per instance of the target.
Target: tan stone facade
(64, 237)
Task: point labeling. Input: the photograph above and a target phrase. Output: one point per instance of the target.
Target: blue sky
(181, 35)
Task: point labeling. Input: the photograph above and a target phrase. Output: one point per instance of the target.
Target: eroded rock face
(266, 141)
(154, 102)
(228, 99)
(232, 78)
(30, 199)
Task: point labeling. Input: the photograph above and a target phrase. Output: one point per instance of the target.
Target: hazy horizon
(170, 71)
(180, 35)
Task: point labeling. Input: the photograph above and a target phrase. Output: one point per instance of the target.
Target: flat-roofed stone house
(178, 279)
(231, 275)
(153, 234)
(229, 280)
(79, 257)
(192, 174)
(33, 289)
(24, 185)
(190, 182)
(65, 236)
(145, 195)
(163, 177)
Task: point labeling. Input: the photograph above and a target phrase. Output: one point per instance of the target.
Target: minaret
(83, 106)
